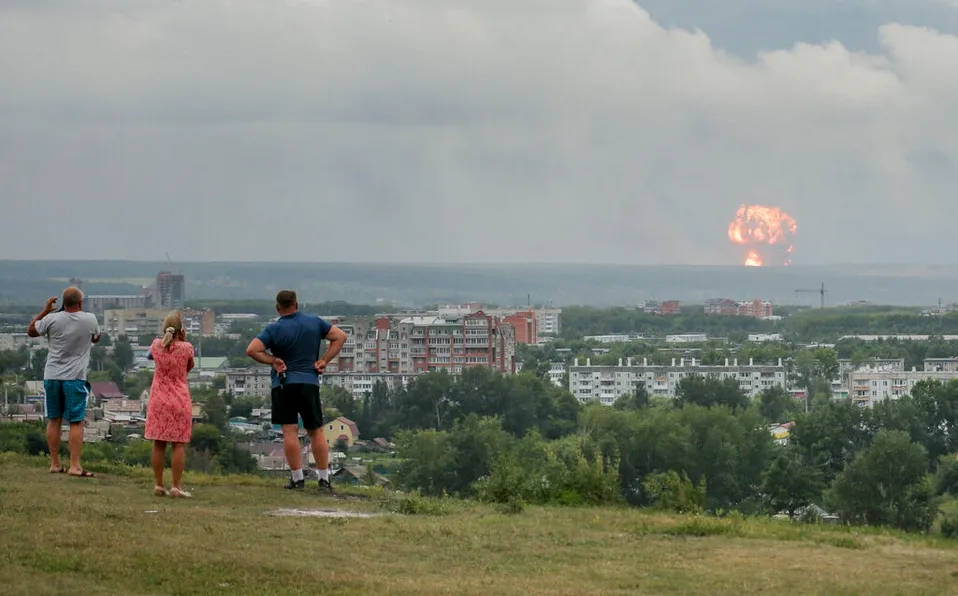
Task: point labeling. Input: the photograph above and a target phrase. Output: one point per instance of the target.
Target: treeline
(797, 324)
(439, 401)
(267, 308)
(209, 451)
(710, 449)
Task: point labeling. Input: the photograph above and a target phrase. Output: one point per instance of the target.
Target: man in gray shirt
(70, 334)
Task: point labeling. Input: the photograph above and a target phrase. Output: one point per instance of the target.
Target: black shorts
(297, 399)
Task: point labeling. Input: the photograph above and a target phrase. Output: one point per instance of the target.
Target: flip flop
(62, 470)
(83, 474)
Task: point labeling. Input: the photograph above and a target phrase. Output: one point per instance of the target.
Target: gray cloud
(426, 130)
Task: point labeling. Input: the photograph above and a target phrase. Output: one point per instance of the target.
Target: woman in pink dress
(169, 414)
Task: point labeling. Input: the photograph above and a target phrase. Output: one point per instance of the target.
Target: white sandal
(159, 491)
(180, 494)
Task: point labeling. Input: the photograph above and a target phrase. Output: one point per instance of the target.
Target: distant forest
(512, 285)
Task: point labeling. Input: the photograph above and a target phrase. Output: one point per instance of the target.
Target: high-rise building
(423, 343)
(170, 291)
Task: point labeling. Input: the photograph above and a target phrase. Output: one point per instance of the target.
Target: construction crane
(820, 291)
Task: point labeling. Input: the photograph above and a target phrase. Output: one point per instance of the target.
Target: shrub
(949, 528)
(670, 492)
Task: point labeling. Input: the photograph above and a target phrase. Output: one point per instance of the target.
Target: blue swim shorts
(66, 399)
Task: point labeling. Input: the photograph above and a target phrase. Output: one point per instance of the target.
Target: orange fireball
(765, 231)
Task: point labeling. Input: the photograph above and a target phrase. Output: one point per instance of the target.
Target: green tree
(123, 353)
(206, 437)
(775, 404)
(789, 485)
(638, 399)
(341, 399)
(710, 391)
(244, 406)
(886, 485)
(830, 436)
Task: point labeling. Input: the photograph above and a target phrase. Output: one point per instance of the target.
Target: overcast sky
(479, 131)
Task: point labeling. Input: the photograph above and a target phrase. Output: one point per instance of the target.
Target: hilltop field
(110, 535)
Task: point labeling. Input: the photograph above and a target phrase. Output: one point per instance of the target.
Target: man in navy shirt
(291, 347)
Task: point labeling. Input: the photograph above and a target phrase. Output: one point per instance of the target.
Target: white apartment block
(764, 337)
(686, 338)
(869, 386)
(133, 323)
(249, 381)
(548, 321)
(614, 338)
(606, 383)
(556, 371)
(359, 384)
(15, 341)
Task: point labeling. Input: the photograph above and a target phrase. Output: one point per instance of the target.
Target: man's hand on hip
(278, 365)
(320, 366)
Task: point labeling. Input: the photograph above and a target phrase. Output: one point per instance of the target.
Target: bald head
(72, 298)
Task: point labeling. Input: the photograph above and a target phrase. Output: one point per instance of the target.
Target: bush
(949, 528)
(513, 506)
(670, 492)
(416, 504)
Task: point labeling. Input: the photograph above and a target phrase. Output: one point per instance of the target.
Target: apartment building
(686, 338)
(15, 341)
(418, 344)
(759, 309)
(654, 307)
(359, 384)
(249, 381)
(100, 303)
(841, 385)
(869, 387)
(170, 290)
(134, 323)
(764, 337)
(199, 322)
(525, 322)
(548, 321)
(606, 383)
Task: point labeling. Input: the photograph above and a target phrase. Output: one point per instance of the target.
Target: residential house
(356, 476)
(105, 390)
(341, 429)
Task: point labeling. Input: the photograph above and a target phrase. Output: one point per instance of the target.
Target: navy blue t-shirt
(296, 340)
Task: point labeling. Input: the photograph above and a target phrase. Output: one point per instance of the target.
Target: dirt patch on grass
(321, 513)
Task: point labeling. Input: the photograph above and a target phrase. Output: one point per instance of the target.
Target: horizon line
(483, 263)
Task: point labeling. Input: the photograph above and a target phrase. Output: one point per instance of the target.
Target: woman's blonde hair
(172, 327)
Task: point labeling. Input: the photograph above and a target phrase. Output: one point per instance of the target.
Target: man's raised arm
(32, 330)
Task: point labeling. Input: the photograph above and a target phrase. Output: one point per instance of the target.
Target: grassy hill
(110, 535)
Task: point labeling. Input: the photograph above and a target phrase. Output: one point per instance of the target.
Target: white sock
(323, 474)
(297, 475)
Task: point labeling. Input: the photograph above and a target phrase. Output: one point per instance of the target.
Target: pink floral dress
(169, 414)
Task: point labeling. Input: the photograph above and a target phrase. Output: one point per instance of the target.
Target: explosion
(766, 232)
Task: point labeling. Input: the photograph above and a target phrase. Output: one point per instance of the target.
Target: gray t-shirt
(69, 336)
